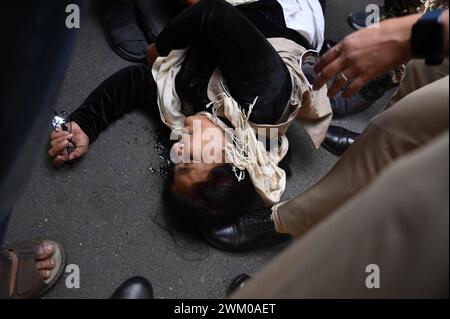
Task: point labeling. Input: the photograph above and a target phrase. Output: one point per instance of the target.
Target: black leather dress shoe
(250, 231)
(238, 282)
(362, 100)
(339, 139)
(134, 288)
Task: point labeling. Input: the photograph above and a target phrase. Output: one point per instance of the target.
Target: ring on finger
(344, 77)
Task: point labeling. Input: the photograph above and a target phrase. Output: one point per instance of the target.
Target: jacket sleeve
(130, 88)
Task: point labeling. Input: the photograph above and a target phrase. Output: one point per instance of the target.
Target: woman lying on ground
(223, 85)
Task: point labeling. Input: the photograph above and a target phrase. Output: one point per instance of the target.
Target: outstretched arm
(130, 88)
(368, 53)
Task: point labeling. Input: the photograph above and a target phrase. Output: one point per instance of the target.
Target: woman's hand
(152, 54)
(59, 140)
(366, 54)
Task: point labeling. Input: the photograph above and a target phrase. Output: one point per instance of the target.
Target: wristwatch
(427, 39)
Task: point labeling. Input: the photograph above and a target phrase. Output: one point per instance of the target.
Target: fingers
(328, 57)
(47, 264)
(60, 160)
(59, 133)
(77, 153)
(60, 139)
(330, 71)
(45, 274)
(354, 87)
(341, 80)
(58, 148)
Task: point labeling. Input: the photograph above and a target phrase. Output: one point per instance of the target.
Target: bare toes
(45, 274)
(48, 264)
(45, 251)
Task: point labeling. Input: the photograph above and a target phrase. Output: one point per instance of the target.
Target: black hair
(219, 199)
(216, 201)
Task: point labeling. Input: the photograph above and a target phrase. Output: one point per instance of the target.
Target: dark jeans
(218, 35)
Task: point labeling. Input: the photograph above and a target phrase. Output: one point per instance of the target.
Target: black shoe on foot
(361, 101)
(339, 139)
(238, 283)
(134, 288)
(121, 28)
(251, 231)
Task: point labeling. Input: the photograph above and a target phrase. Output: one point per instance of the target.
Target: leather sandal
(28, 282)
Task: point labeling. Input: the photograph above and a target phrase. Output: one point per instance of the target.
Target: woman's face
(199, 150)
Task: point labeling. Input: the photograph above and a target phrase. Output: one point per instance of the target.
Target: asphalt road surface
(106, 209)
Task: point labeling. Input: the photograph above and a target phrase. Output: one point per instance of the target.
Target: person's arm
(98, 111)
(95, 114)
(366, 54)
(130, 88)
